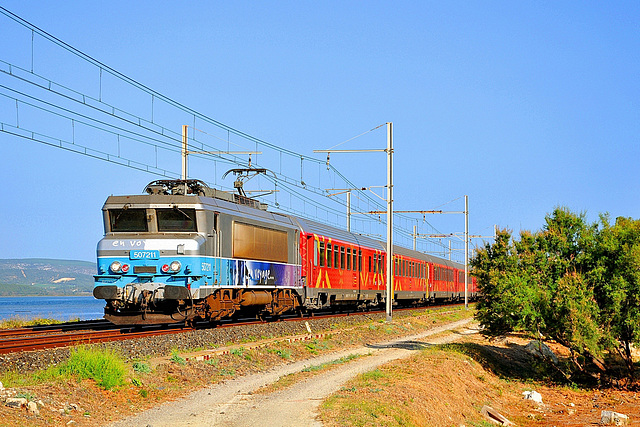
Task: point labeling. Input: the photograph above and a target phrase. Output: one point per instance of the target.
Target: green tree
(537, 284)
(615, 274)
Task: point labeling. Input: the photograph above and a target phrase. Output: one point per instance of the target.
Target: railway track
(16, 340)
(72, 334)
(60, 327)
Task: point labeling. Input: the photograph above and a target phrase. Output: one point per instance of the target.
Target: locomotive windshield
(176, 219)
(128, 220)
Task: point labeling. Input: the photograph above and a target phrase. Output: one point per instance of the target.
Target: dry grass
(433, 388)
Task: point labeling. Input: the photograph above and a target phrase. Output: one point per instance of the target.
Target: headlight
(175, 266)
(115, 266)
(172, 268)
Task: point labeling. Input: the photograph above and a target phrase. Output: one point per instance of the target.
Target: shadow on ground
(406, 345)
(506, 360)
(512, 362)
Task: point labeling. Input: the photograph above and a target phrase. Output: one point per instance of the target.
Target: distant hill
(35, 276)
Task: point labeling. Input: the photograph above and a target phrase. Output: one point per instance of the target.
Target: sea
(60, 308)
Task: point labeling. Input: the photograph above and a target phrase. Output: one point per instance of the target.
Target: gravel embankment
(164, 344)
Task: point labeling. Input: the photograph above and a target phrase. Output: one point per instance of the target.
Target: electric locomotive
(184, 251)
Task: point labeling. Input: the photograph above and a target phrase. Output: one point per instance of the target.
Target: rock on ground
(613, 418)
(541, 350)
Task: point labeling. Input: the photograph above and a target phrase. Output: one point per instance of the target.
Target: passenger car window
(322, 254)
(315, 253)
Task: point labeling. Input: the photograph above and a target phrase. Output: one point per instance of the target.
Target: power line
(154, 94)
(150, 131)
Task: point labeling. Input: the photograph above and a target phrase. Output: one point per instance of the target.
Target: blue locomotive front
(167, 255)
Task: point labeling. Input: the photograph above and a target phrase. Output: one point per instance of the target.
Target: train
(185, 252)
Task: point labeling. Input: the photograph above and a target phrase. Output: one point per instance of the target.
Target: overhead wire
(83, 102)
(167, 139)
(150, 91)
(357, 136)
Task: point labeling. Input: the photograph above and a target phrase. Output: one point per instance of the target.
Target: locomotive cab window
(176, 219)
(128, 220)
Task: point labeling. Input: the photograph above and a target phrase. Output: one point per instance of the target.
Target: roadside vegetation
(105, 367)
(18, 322)
(574, 283)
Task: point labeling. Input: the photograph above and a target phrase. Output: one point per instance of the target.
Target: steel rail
(60, 327)
(30, 343)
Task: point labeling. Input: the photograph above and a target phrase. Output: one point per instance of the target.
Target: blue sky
(522, 106)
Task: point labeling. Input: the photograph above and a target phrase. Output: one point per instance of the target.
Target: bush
(18, 322)
(141, 367)
(105, 367)
(572, 282)
(176, 358)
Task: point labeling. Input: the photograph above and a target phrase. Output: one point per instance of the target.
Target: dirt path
(233, 404)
